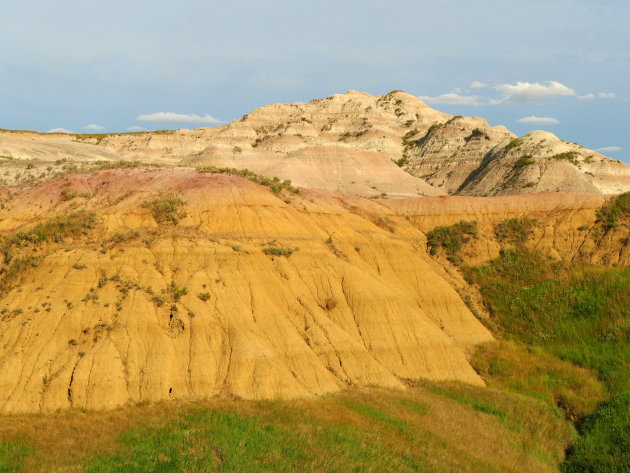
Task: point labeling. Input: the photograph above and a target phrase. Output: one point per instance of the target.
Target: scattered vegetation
(576, 314)
(54, 229)
(103, 165)
(166, 209)
(277, 251)
(571, 156)
(512, 366)
(275, 184)
(515, 230)
(525, 160)
(619, 206)
(451, 238)
(385, 223)
(515, 143)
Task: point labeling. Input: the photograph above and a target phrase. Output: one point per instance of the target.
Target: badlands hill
(107, 301)
(121, 286)
(391, 145)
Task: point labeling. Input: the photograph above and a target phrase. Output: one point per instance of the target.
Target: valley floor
(426, 428)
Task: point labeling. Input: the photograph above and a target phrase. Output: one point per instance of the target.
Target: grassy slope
(429, 428)
(565, 332)
(570, 332)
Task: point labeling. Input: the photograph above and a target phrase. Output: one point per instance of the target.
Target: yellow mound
(139, 308)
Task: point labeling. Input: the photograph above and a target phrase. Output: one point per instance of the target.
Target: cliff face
(392, 145)
(541, 162)
(151, 284)
(564, 226)
(250, 294)
(450, 151)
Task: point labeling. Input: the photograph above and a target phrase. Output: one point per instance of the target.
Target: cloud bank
(60, 130)
(527, 92)
(453, 99)
(172, 117)
(94, 127)
(539, 120)
(610, 149)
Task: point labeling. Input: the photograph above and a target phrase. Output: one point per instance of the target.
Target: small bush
(571, 156)
(514, 230)
(451, 238)
(55, 229)
(525, 160)
(610, 212)
(276, 251)
(204, 296)
(515, 143)
(166, 209)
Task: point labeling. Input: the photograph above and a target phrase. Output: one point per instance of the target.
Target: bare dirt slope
(108, 302)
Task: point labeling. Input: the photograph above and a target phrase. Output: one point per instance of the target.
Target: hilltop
(393, 145)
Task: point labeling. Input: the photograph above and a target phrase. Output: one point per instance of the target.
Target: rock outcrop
(250, 294)
(389, 146)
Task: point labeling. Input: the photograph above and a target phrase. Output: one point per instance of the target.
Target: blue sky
(161, 64)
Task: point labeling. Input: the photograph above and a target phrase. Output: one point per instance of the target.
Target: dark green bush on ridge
(166, 209)
(275, 184)
(613, 209)
(514, 230)
(276, 251)
(451, 238)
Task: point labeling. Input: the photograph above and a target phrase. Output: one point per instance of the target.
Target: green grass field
(568, 328)
(427, 428)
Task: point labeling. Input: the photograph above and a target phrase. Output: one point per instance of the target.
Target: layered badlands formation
(137, 308)
(392, 145)
(355, 304)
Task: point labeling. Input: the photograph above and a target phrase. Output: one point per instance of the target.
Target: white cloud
(172, 117)
(136, 128)
(478, 85)
(610, 149)
(539, 120)
(524, 92)
(586, 97)
(453, 99)
(94, 127)
(606, 95)
(60, 130)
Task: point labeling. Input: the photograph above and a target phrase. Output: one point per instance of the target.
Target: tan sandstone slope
(122, 306)
(393, 145)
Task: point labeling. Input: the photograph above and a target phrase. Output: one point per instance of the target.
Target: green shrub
(275, 184)
(571, 156)
(514, 230)
(204, 296)
(604, 445)
(515, 143)
(55, 229)
(451, 238)
(613, 209)
(579, 314)
(276, 251)
(166, 209)
(525, 160)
